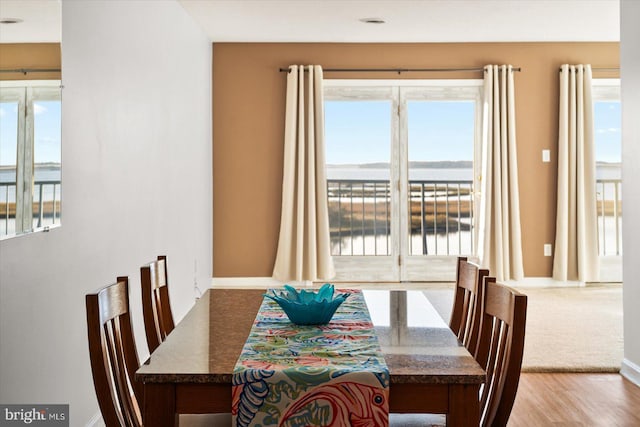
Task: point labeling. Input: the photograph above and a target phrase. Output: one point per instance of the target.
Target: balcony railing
(359, 216)
(441, 217)
(609, 208)
(46, 205)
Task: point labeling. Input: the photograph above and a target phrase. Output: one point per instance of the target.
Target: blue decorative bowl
(308, 307)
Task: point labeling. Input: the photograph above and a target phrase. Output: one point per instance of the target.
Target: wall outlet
(546, 156)
(547, 249)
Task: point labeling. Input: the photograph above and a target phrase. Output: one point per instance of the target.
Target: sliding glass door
(400, 174)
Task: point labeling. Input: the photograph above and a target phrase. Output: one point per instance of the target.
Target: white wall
(630, 81)
(137, 183)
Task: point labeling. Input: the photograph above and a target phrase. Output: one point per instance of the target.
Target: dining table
(430, 370)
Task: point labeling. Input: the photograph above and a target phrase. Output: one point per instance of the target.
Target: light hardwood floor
(576, 400)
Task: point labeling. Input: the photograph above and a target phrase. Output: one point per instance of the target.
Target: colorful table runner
(330, 375)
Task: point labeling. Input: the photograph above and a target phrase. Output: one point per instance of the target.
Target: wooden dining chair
(156, 308)
(114, 361)
(466, 312)
(500, 350)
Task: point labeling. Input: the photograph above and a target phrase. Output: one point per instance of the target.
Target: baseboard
(543, 282)
(630, 371)
(95, 421)
(270, 282)
(246, 282)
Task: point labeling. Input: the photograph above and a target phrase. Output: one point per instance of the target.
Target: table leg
(464, 406)
(159, 408)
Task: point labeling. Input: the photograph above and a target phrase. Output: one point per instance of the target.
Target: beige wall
(248, 127)
(29, 55)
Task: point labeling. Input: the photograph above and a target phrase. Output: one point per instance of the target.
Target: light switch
(546, 156)
(547, 249)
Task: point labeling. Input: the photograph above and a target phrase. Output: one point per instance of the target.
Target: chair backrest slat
(156, 308)
(466, 313)
(112, 303)
(126, 387)
(165, 311)
(113, 355)
(500, 349)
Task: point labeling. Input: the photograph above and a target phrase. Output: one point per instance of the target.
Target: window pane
(607, 136)
(8, 137)
(608, 153)
(441, 150)
(8, 156)
(47, 121)
(47, 155)
(358, 157)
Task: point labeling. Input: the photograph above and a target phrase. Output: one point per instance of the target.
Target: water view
(440, 208)
(46, 197)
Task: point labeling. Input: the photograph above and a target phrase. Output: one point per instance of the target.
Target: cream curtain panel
(499, 239)
(576, 248)
(303, 246)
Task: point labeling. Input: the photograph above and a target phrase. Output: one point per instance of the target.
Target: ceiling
(41, 21)
(406, 20)
(339, 20)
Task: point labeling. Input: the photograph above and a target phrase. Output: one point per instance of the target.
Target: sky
(47, 119)
(360, 131)
(607, 131)
(356, 131)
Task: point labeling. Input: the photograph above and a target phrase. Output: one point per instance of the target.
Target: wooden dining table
(191, 371)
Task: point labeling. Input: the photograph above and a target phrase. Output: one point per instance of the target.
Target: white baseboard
(630, 371)
(270, 282)
(548, 282)
(543, 282)
(249, 282)
(95, 421)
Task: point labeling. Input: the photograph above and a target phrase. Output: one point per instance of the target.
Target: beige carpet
(574, 329)
(568, 329)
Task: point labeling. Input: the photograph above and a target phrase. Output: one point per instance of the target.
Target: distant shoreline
(41, 166)
(459, 164)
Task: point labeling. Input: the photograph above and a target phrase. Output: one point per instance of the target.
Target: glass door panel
(358, 176)
(439, 136)
(608, 157)
(8, 164)
(360, 130)
(608, 152)
(47, 161)
(440, 177)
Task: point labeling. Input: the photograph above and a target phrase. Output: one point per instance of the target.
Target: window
(608, 154)
(400, 175)
(30, 156)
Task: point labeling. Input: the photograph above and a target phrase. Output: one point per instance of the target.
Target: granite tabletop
(418, 347)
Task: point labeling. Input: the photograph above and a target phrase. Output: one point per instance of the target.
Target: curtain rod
(32, 70)
(602, 70)
(394, 70)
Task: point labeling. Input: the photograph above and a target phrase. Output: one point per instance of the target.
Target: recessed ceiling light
(10, 21)
(373, 20)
